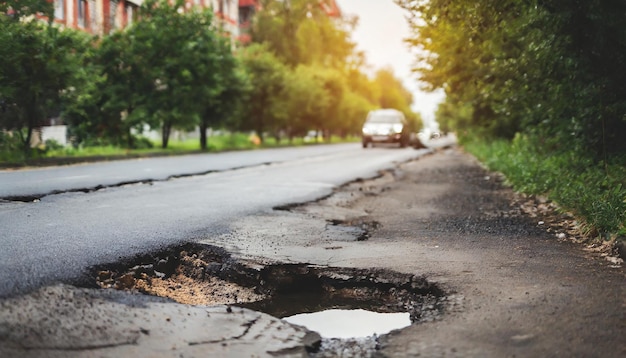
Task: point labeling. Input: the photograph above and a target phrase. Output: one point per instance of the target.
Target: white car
(385, 126)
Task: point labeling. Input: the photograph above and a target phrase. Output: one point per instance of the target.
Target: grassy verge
(595, 193)
(14, 157)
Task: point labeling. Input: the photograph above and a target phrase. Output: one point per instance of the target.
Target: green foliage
(38, 63)
(10, 148)
(52, 144)
(552, 67)
(266, 74)
(306, 99)
(334, 85)
(169, 70)
(390, 93)
(20, 9)
(223, 105)
(299, 32)
(354, 109)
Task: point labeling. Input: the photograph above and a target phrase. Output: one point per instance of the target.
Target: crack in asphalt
(82, 348)
(292, 206)
(33, 198)
(248, 325)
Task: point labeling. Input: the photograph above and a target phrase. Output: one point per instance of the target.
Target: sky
(380, 34)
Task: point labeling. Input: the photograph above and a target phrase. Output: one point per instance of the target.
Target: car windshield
(384, 119)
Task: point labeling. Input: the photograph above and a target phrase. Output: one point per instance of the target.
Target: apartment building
(103, 16)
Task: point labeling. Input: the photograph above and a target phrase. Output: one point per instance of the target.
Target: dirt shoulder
(527, 294)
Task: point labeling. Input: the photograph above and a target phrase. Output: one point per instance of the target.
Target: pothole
(357, 228)
(206, 275)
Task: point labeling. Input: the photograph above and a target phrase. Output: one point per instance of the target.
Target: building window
(245, 15)
(59, 9)
(131, 13)
(113, 14)
(93, 16)
(82, 13)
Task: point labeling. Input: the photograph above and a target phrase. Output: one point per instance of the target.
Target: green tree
(20, 9)
(464, 51)
(334, 84)
(306, 100)
(164, 46)
(354, 109)
(299, 32)
(171, 69)
(391, 93)
(38, 63)
(266, 75)
(115, 106)
(224, 103)
(547, 68)
(361, 84)
(220, 77)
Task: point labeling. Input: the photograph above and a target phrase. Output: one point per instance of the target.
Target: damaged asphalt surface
(512, 289)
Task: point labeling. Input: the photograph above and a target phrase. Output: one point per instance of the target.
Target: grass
(593, 192)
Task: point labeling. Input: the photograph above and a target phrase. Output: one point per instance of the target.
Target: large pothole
(206, 275)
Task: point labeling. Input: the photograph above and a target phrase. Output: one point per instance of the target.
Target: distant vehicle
(385, 126)
(426, 134)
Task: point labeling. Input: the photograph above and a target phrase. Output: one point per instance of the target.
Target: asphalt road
(37, 182)
(58, 237)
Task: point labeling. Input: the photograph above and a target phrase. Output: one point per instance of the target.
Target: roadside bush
(142, 143)
(10, 148)
(52, 144)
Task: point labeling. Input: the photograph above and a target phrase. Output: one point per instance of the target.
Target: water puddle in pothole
(340, 323)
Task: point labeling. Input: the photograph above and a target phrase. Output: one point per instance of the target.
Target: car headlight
(397, 128)
(367, 130)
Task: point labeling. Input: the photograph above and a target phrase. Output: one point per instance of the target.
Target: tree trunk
(203, 139)
(31, 122)
(131, 139)
(165, 138)
(26, 141)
